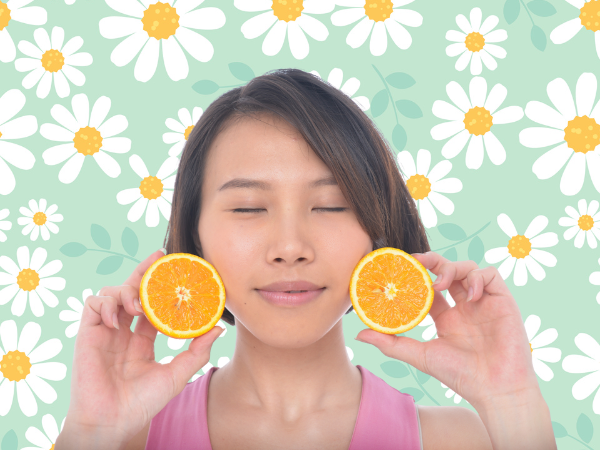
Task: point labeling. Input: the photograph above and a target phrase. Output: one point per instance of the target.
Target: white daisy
(291, 17)
(449, 393)
(85, 135)
(577, 133)
(11, 103)
(540, 356)
(427, 187)
(70, 2)
(595, 280)
(349, 87)
(584, 224)
(14, 11)
(155, 192)
(430, 331)
(30, 277)
(49, 60)
(151, 23)
(181, 129)
(473, 120)
(523, 250)
(380, 16)
(587, 18)
(583, 388)
(74, 314)
(5, 225)
(220, 363)
(39, 220)
(23, 367)
(473, 43)
(39, 439)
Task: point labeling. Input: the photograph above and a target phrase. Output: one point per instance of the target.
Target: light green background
(565, 299)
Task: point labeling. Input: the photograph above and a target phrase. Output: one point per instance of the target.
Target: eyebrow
(247, 183)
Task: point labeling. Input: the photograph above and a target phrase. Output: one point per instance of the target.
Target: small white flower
(349, 87)
(5, 225)
(30, 277)
(449, 393)
(427, 188)
(595, 280)
(39, 439)
(473, 121)
(280, 17)
(565, 31)
(540, 356)
(17, 11)
(155, 192)
(522, 251)
(85, 135)
(70, 2)
(74, 314)
(584, 224)
(474, 42)
(589, 364)
(181, 129)
(39, 220)
(49, 61)
(28, 375)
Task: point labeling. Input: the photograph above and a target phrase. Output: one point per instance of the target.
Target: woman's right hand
(117, 387)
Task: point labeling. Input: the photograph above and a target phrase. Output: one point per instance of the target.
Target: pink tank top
(387, 418)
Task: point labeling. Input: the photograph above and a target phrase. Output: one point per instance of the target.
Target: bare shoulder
(139, 440)
(452, 428)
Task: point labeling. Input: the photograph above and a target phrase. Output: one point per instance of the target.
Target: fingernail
(470, 294)
(358, 339)
(137, 305)
(438, 279)
(164, 250)
(115, 321)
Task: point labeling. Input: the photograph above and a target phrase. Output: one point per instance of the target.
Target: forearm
(76, 437)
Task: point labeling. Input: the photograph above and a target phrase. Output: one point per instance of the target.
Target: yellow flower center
(288, 10)
(52, 448)
(531, 347)
(151, 187)
(39, 218)
(585, 222)
(88, 141)
(478, 120)
(15, 365)
(378, 10)
(188, 130)
(4, 15)
(474, 41)
(28, 279)
(589, 16)
(582, 134)
(418, 186)
(160, 20)
(53, 60)
(519, 246)
(0, 135)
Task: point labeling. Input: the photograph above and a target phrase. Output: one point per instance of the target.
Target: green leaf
(511, 10)
(241, 71)
(100, 236)
(129, 240)
(409, 109)
(475, 250)
(380, 103)
(73, 249)
(399, 137)
(585, 428)
(422, 376)
(541, 8)
(416, 393)
(451, 254)
(395, 369)
(538, 38)
(452, 231)
(109, 265)
(205, 87)
(10, 441)
(400, 80)
(559, 430)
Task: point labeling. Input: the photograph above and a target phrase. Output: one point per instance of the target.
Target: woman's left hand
(482, 351)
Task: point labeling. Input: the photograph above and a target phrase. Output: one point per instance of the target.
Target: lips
(291, 285)
(284, 299)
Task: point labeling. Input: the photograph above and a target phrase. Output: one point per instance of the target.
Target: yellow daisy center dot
(151, 187)
(582, 134)
(15, 365)
(52, 448)
(589, 15)
(474, 41)
(188, 130)
(418, 186)
(28, 279)
(4, 15)
(88, 141)
(160, 20)
(39, 218)
(531, 347)
(53, 60)
(0, 135)
(585, 222)
(288, 10)
(478, 120)
(519, 246)
(378, 10)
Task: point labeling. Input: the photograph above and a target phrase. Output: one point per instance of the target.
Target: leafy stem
(463, 240)
(421, 386)
(114, 253)
(387, 89)
(528, 13)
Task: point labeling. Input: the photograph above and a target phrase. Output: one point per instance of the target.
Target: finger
(135, 279)
(487, 279)
(439, 305)
(143, 327)
(401, 348)
(97, 310)
(126, 296)
(448, 272)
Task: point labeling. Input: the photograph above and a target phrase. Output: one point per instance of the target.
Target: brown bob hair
(336, 129)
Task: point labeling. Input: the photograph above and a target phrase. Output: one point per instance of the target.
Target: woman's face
(288, 238)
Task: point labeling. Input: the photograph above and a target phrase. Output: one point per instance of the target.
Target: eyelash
(245, 210)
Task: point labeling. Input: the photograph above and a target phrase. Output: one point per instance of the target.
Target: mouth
(290, 298)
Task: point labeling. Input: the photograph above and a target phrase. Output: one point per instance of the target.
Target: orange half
(391, 291)
(182, 295)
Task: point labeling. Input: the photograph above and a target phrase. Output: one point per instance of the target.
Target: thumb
(401, 348)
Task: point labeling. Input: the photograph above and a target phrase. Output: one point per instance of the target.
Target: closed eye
(242, 210)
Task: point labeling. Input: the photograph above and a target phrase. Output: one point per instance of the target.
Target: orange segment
(182, 295)
(391, 291)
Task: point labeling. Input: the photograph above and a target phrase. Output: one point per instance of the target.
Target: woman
(286, 179)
